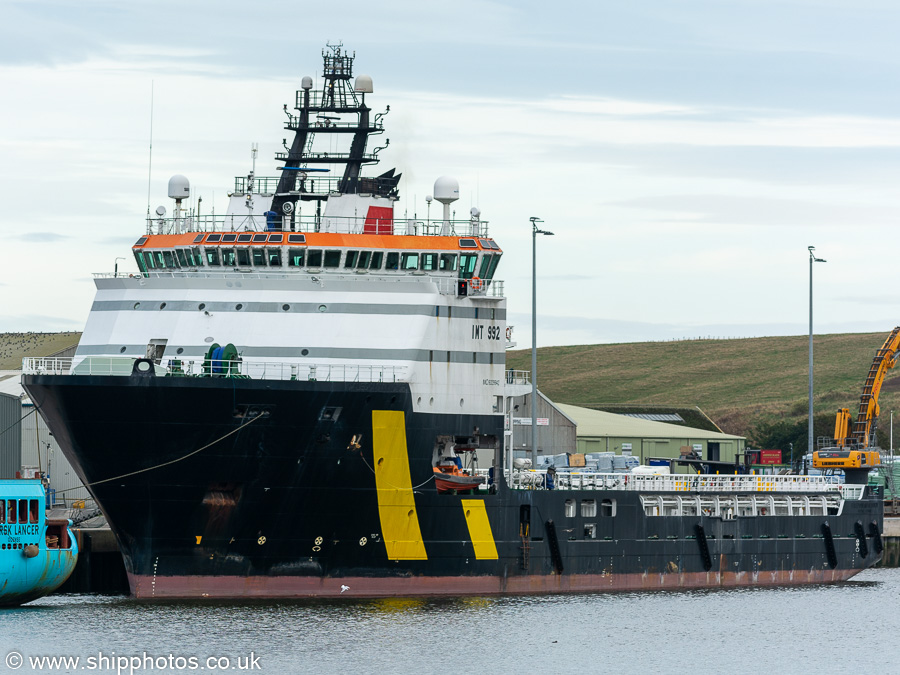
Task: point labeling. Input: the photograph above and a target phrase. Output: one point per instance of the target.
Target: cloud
(41, 237)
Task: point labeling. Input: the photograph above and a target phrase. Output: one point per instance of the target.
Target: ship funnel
(446, 191)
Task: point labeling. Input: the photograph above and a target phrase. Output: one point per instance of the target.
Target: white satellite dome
(446, 189)
(306, 82)
(179, 187)
(363, 84)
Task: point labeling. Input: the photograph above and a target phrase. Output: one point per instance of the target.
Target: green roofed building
(599, 431)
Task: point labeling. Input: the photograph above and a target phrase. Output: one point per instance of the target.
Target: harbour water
(844, 627)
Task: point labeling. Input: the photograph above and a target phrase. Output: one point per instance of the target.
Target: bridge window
(170, 260)
(350, 260)
(570, 508)
(377, 258)
(429, 261)
(410, 261)
(449, 262)
(467, 263)
(589, 508)
(494, 262)
(332, 258)
(228, 257)
(212, 257)
(11, 517)
(182, 260)
(2, 511)
(277, 238)
(485, 265)
(229, 237)
(244, 238)
(274, 257)
(139, 259)
(33, 511)
(259, 238)
(23, 510)
(213, 238)
(295, 257)
(314, 259)
(160, 261)
(196, 257)
(365, 257)
(393, 261)
(259, 257)
(243, 257)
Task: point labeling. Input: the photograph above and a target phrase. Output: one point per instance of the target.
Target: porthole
(180, 350)
(304, 352)
(431, 401)
(323, 308)
(122, 350)
(201, 306)
(208, 339)
(285, 307)
(162, 305)
(137, 305)
(462, 402)
(419, 401)
(239, 307)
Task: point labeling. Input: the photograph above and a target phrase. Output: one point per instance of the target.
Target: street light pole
(812, 259)
(534, 233)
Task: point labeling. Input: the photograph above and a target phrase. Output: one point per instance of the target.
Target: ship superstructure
(313, 396)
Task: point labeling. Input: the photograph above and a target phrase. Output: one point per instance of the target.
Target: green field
(16, 346)
(738, 383)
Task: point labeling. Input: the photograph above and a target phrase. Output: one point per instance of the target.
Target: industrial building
(599, 431)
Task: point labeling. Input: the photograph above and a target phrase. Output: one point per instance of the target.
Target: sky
(684, 153)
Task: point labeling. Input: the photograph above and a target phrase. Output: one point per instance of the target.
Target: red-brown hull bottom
(146, 587)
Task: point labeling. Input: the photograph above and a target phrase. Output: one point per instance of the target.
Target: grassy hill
(16, 346)
(738, 383)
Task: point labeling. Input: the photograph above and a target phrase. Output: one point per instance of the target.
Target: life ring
(509, 333)
(476, 283)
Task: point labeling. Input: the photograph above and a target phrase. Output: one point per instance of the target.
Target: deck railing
(588, 480)
(446, 285)
(257, 370)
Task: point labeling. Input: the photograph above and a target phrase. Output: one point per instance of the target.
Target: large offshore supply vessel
(288, 400)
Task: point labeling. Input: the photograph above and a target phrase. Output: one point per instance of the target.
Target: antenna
(150, 161)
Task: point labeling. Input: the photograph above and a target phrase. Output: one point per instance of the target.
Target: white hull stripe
(297, 308)
(314, 354)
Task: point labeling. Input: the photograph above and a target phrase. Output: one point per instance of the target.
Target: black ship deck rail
(257, 222)
(591, 480)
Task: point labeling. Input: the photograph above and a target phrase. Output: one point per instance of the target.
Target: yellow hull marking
(479, 529)
(396, 505)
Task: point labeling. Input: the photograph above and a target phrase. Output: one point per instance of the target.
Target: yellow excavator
(854, 442)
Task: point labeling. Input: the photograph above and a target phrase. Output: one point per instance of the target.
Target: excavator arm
(853, 439)
(863, 431)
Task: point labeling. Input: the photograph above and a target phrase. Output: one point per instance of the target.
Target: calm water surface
(849, 627)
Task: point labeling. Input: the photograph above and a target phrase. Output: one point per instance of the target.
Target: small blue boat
(37, 554)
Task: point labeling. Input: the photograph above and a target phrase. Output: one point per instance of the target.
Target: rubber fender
(704, 547)
(861, 538)
(830, 551)
(553, 543)
(877, 542)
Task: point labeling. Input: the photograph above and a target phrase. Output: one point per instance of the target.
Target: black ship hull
(227, 487)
